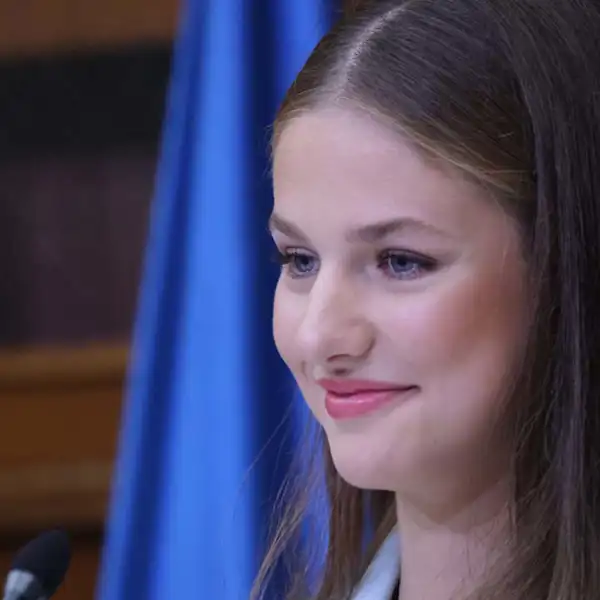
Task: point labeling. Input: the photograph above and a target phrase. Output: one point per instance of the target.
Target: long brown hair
(508, 92)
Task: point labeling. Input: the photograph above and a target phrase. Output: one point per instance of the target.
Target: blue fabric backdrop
(206, 389)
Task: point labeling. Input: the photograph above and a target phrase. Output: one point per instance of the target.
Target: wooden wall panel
(42, 26)
(60, 406)
(59, 423)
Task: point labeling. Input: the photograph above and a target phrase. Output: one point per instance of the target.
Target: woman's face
(400, 309)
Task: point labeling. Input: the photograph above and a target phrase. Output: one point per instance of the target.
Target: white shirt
(382, 574)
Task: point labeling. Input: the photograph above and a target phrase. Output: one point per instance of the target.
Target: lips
(353, 398)
(344, 387)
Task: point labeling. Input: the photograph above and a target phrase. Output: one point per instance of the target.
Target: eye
(297, 263)
(405, 265)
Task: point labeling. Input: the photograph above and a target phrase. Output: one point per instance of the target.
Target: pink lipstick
(350, 398)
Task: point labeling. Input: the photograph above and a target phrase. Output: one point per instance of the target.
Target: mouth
(350, 399)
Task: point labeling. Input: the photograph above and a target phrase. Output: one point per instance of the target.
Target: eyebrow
(371, 233)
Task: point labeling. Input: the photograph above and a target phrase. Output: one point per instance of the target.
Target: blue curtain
(206, 390)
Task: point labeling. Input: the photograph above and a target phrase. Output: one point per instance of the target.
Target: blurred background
(143, 406)
(82, 93)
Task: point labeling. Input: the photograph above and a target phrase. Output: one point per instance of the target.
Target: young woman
(437, 213)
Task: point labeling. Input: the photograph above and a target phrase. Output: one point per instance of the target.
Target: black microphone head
(47, 558)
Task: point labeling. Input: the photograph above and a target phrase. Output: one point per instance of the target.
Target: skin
(436, 301)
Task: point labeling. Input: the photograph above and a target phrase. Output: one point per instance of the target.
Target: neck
(445, 556)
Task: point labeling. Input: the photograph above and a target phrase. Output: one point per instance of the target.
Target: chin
(364, 465)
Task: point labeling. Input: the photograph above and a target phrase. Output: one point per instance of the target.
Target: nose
(335, 330)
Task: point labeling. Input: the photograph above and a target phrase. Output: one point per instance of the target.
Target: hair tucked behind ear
(507, 91)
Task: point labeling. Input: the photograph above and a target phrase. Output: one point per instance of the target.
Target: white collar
(382, 574)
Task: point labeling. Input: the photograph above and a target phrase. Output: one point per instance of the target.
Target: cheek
(288, 310)
(459, 343)
(286, 320)
(466, 331)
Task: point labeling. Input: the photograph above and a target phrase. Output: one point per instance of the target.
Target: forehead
(315, 143)
(333, 161)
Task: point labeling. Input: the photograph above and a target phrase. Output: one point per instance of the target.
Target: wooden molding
(42, 26)
(74, 496)
(89, 366)
(60, 419)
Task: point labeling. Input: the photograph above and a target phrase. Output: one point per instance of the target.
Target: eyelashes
(395, 264)
(295, 262)
(401, 264)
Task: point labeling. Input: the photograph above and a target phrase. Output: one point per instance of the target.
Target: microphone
(39, 567)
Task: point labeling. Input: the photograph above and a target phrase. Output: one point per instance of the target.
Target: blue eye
(405, 265)
(296, 262)
(398, 265)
